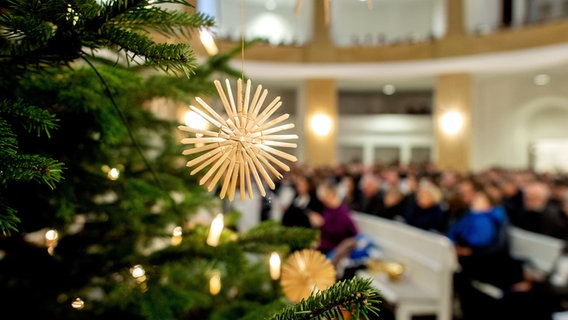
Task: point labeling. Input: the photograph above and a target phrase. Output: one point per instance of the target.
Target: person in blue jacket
(481, 240)
(477, 232)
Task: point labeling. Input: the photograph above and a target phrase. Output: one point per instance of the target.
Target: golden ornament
(306, 272)
(243, 145)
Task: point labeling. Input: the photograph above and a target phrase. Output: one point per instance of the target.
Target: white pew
(541, 250)
(429, 262)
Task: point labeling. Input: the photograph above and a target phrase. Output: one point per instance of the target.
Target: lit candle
(78, 304)
(176, 236)
(274, 266)
(208, 42)
(215, 283)
(215, 231)
(113, 174)
(51, 237)
(138, 273)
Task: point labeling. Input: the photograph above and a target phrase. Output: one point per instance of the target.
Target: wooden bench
(429, 261)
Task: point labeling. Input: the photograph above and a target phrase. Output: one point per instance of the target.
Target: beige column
(321, 48)
(320, 99)
(455, 42)
(453, 106)
(455, 17)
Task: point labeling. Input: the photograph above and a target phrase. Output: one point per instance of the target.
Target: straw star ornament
(306, 272)
(242, 148)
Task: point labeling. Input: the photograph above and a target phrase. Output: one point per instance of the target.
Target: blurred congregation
(474, 211)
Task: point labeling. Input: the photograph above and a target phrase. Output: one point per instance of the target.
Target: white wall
(373, 131)
(482, 14)
(279, 26)
(394, 19)
(485, 15)
(550, 155)
(510, 113)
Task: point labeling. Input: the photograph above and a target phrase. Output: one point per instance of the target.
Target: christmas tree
(98, 211)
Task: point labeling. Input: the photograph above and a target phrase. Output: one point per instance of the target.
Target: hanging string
(326, 11)
(243, 40)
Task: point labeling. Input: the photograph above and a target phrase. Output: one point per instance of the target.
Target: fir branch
(273, 233)
(25, 167)
(26, 28)
(126, 124)
(32, 118)
(8, 140)
(8, 219)
(55, 31)
(179, 2)
(260, 312)
(36, 32)
(165, 21)
(354, 295)
(22, 35)
(84, 9)
(112, 9)
(166, 57)
(221, 61)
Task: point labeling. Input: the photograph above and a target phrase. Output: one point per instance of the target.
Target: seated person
(555, 222)
(370, 196)
(487, 271)
(335, 222)
(426, 213)
(395, 205)
(537, 210)
(481, 232)
(305, 200)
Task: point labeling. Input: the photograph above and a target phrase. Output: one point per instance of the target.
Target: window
(387, 155)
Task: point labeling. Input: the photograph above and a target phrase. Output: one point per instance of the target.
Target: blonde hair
(431, 189)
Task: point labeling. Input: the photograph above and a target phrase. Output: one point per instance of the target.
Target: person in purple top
(335, 222)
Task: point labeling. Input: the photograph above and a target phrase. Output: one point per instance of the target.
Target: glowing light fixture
(451, 122)
(208, 42)
(270, 5)
(389, 89)
(541, 79)
(321, 124)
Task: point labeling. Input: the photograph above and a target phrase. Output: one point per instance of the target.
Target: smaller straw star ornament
(243, 144)
(306, 272)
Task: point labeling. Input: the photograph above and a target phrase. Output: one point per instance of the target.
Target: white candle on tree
(274, 266)
(215, 231)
